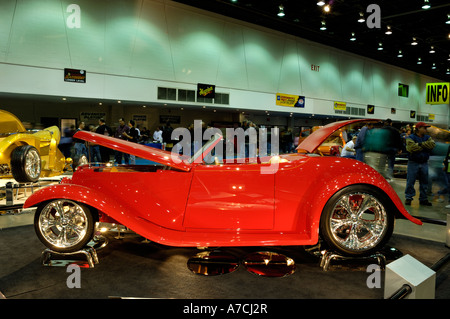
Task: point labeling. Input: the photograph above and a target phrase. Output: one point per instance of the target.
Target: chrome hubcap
(63, 223)
(358, 222)
(33, 164)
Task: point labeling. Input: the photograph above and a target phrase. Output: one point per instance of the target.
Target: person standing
(419, 146)
(121, 129)
(359, 145)
(132, 136)
(107, 131)
(80, 145)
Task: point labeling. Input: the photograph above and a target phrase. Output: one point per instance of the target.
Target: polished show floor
(131, 267)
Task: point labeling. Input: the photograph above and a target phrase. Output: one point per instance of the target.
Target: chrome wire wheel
(64, 225)
(33, 164)
(357, 222)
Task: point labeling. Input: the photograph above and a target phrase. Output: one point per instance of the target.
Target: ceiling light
(400, 54)
(448, 72)
(448, 19)
(281, 12)
(326, 8)
(414, 41)
(323, 26)
(426, 5)
(380, 46)
(432, 50)
(353, 37)
(419, 61)
(434, 66)
(321, 3)
(388, 30)
(361, 18)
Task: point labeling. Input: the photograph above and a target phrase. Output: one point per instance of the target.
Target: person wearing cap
(419, 146)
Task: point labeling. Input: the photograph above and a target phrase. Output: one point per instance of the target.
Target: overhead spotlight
(414, 41)
(321, 3)
(380, 46)
(281, 11)
(448, 72)
(388, 30)
(426, 5)
(361, 18)
(400, 54)
(419, 61)
(323, 27)
(448, 59)
(327, 8)
(433, 67)
(432, 50)
(353, 37)
(448, 19)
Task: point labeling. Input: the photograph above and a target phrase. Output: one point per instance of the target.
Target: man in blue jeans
(419, 146)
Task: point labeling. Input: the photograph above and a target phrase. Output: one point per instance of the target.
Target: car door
(230, 196)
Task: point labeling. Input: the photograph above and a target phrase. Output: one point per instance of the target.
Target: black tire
(25, 164)
(64, 225)
(357, 221)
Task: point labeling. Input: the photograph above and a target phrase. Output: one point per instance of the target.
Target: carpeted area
(130, 268)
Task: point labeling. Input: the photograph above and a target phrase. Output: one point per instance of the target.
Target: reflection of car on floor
(289, 199)
(25, 155)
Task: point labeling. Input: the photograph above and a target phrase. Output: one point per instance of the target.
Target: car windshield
(206, 148)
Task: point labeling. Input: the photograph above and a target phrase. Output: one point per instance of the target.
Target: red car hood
(139, 150)
(313, 141)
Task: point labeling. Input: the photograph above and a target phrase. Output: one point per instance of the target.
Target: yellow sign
(431, 116)
(290, 100)
(341, 106)
(438, 93)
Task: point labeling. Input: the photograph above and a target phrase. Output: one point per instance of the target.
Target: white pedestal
(407, 270)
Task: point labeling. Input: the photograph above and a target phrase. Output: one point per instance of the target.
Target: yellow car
(27, 156)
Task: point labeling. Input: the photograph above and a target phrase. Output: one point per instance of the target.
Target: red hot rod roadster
(190, 203)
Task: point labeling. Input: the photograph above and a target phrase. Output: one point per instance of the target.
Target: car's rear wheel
(357, 221)
(64, 225)
(25, 164)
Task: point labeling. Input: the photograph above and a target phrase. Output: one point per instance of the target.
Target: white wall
(130, 47)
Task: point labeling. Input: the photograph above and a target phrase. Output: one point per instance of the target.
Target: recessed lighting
(380, 46)
(400, 54)
(281, 11)
(426, 5)
(419, 61)
(321, 3)
(388, 30)
(432, 49)
(353, 37)
(433, 66)
(448, 19)
(323, 26)
(361, 18)
(414, 41)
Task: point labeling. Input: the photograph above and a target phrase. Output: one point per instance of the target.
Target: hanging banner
(290, 100)
(438, 93)
(340, 106)
(206, 90)
(72, 75)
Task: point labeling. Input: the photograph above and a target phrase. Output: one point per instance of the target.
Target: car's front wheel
(357, 221)
(25, 164)
(64, 225)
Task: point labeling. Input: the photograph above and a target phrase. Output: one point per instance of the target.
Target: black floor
(130, 268)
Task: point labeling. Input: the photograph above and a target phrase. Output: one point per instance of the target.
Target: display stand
(328, 256)
(88, 255)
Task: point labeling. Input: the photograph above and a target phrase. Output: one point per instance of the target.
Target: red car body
(193, 204)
